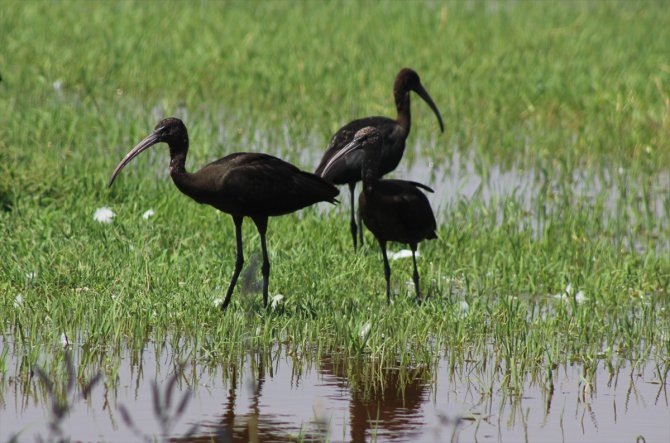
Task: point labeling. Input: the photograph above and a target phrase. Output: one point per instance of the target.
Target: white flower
(148, 214)
(568, 294)
(403, 253)
(103, 215)
(31, 275)
(276, 300)
(18, 301)
(64, 342)
(365, 330)
(218, 301)
(58, 88)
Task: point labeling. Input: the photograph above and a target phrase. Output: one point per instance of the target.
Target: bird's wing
(262, 183)
(411, 205)
(402, 184)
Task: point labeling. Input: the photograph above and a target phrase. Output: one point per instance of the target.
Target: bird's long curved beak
(352, 146)
(148, 141)
(426, 97)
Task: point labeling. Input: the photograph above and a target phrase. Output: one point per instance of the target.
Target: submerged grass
(569, 91)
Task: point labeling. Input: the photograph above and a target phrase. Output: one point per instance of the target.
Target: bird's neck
(184, 180)
(180, 177)
(178, 152)
(402, 104)
(370, 173)
(177, 162)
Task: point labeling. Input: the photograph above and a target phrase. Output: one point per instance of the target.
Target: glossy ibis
(394, 210)
(242, 184)
(394, 133)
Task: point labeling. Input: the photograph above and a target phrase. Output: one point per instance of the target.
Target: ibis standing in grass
(347, 169)
(243, 184)
(393, 210)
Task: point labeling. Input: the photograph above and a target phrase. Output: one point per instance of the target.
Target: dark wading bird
(242, 184)
(394, 210)
(347, 170)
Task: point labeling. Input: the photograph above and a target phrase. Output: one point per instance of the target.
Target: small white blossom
(31, 275)
(569, 293)
(58, 87)
(103, 215)
(218, 301)
(148, 214)
(18, 301)
(276, 300)
(365, 330)
(403, 253)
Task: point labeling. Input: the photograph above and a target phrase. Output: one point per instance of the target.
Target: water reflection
(274, 396)
(388, 404)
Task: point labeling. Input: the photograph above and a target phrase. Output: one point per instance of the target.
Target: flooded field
(278, 397)
(545, 313)
(466, 396)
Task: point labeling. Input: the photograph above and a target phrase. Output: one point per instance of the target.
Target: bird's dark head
(408, 80)
(170, 130)
(369, 138)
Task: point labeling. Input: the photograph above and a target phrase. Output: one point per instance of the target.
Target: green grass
(561, 89)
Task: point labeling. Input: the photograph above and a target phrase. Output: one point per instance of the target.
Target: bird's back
(397, 210)
(260, 184)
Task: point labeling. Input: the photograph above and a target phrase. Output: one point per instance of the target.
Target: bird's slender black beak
(356, 143)
(148, 141)
(426, 97)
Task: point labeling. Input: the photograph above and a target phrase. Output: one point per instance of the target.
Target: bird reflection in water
(382, 402)
(385, 402)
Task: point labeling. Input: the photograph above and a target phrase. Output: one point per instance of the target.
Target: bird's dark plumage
(243, 184)
(397, 210)
(347, 170)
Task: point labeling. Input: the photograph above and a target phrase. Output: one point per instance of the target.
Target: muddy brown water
(274, 397)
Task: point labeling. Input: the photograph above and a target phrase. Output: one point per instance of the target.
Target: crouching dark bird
(393, 210)
(347, 168)
(243, 184)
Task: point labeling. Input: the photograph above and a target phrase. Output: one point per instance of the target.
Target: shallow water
(274, 397)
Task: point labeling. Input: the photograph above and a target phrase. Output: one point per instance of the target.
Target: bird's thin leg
(352, 223)
(416, 272)
(360, 225)
(262, 225)
(387, 270)
(239, 262)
